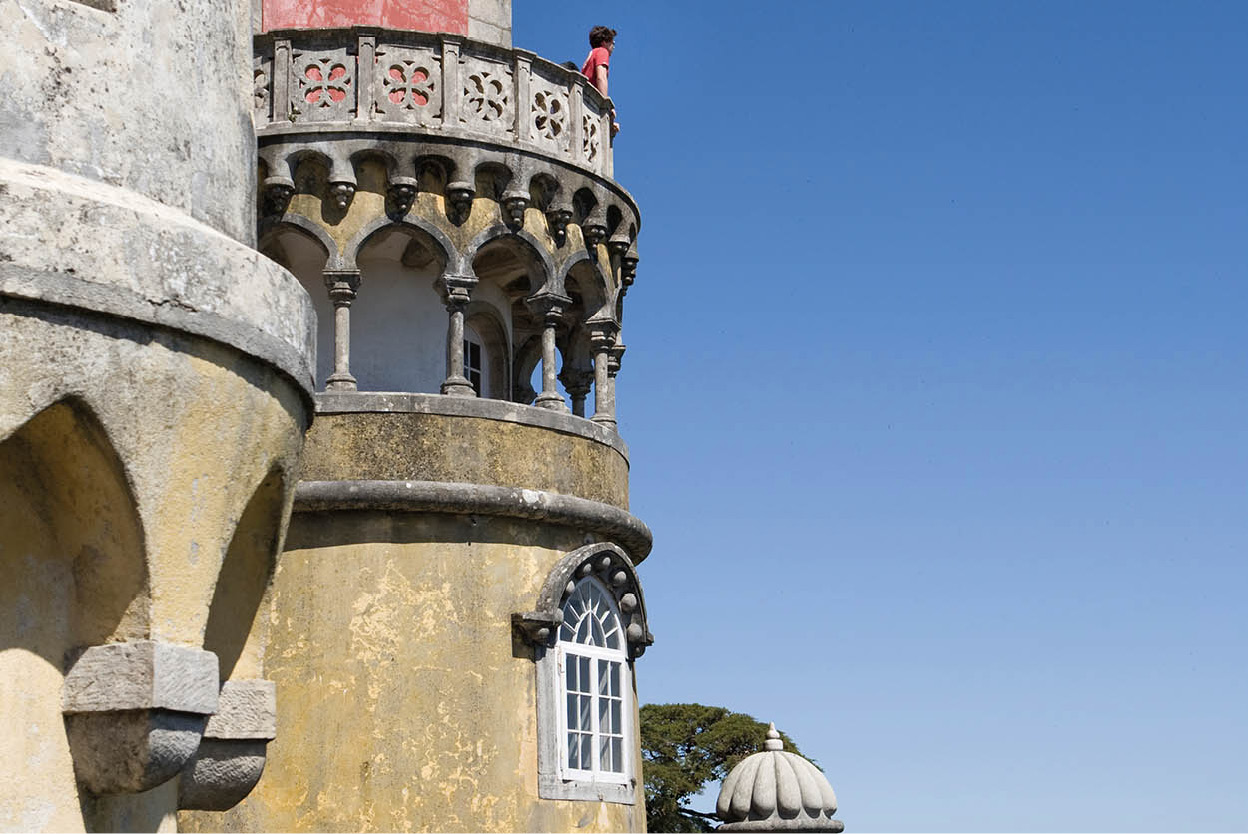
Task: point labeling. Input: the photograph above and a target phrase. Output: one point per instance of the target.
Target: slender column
(578, 384)
(613, 369)
(365, 72)
(342, 286)
(456, 292)
(602, 338)
(550, 307)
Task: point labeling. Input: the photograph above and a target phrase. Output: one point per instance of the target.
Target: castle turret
(155, 384)
(457, 611)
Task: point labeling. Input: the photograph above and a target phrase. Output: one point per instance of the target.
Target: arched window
(593, 669)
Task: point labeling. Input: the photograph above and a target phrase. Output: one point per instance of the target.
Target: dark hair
(600, 36)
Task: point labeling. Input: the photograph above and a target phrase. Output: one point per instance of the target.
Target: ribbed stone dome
(775, 790)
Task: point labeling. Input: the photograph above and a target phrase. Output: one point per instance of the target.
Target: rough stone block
(230, 760)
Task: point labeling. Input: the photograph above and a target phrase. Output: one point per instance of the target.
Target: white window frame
(556, 780)
(595, 773)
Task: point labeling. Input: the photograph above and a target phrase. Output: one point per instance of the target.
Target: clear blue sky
(936, 393)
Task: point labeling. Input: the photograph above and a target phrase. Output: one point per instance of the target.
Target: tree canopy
(685, 746)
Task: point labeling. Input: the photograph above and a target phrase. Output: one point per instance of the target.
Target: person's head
(602, 36)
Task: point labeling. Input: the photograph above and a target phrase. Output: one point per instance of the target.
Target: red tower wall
(425, 15)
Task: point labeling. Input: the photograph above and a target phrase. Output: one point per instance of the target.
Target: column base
(340, 382)
(458, 386)
(551, 402)
(604, 420)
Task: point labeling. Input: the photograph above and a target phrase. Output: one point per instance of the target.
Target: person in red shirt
(598, 64)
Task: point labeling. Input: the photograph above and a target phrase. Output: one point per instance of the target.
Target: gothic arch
(612, 567)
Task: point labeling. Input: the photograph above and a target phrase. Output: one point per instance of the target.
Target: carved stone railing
(328, 80)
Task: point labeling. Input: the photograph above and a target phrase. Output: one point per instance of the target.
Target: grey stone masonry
(490, 21)
(135, 713)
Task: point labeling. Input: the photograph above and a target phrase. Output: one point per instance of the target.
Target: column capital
(342, 284)
(614, 355)
(549, 305)
(602, 333)
(456, 290)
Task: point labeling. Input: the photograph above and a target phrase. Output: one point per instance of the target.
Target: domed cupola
(774, 790)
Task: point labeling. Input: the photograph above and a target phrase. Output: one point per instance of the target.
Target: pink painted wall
(425, 15)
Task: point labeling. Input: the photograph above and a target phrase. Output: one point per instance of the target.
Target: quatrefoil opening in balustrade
(486, 97)
(260, 91)
(324, 83)
(549, 112)
(408, 85)
(589, 137)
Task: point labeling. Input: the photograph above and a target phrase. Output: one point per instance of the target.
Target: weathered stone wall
(408, 702)
(154, 389)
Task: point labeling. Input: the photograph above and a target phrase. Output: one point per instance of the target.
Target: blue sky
(935, 393)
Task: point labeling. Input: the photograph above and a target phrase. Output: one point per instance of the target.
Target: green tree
(685, 746)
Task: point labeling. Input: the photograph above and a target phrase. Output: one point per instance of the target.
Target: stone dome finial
(774, 790)
(773, 741)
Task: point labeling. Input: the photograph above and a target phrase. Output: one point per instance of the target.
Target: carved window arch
(587, 629)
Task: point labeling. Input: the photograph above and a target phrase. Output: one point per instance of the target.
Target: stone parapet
(362, 78)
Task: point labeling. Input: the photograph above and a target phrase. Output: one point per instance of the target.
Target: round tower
(457, 611)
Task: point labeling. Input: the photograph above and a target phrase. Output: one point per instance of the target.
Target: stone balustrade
(331, 80)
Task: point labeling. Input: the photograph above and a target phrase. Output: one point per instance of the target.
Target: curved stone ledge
(118, 254)
(380, 402)
(611, 523)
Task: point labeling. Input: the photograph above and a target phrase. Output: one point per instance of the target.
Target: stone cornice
(604, 520)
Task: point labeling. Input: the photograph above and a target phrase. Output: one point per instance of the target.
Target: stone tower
(155, 385)
(457, 611)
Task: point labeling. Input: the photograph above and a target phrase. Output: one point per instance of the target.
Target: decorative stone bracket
(611, 565)
(135, 712)
(231, 757)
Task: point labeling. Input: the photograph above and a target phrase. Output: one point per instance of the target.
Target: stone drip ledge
(231, 757)
(364, 402)
(135, 712)
(75, 242)
(604, 520)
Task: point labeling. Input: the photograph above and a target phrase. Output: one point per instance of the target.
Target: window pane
(604, 677)
(615, 680)
(584, 687)
(586, 718)
(617, 725)
(571, 713)
(570, 665)
(617, 755)
(604, 755)
(573, 753)
(587, 749)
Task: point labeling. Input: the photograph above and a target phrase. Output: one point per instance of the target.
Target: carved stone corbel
(231, 756)
(135, 713)
(514, 204)
(459, 197)
(402, 192)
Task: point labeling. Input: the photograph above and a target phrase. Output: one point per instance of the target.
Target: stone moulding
(615, 570)
(154, 265)
(478, 499)
(231, 757)
(135, 713)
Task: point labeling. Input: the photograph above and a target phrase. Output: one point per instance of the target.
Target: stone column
(549, 307)
(613, 368)
(578, 383)
(602, 337)
(456, 293)
(342, 286)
